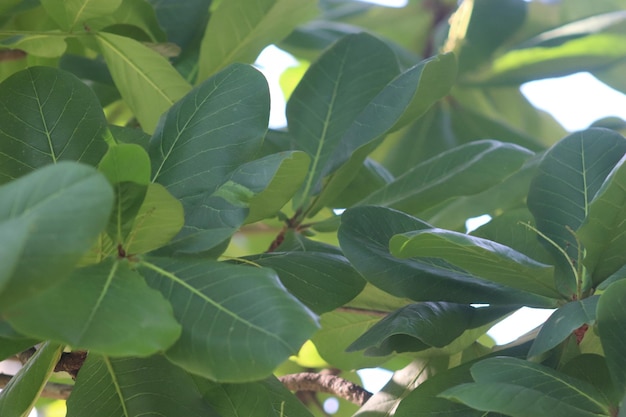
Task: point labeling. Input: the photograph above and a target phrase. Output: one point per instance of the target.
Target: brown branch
(71, 362)
(50, 390)
(330, 384)
(11, 54)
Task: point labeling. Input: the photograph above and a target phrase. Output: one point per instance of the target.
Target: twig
(50, 390)
(330, 384)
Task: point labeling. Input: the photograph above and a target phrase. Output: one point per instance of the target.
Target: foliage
(149, 216)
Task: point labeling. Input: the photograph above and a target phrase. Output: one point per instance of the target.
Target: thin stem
(331, 384)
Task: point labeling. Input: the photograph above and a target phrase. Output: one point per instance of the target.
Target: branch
(330, 384)
(50, 390)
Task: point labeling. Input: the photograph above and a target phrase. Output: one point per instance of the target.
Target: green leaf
(330, 96)
(238, 321)
(272, 181)
(137, 13)
(64, 207)
(19, 396)
(267, 398)
(128, 387)
(48, 115)
(108, 299)
(182, 22)
(11, 347)
(385, 402)
(520, 388)
(603, 232)
(480, 257)
(200, 145)
(406, 97)
(124, 163)
(337, 331)
(146, 80)
(464, 170)
(420, 326)
(50, 44)
(364, 237)
(490, 24)
(73, 13)
(568, 177)
(322, 281)
(592, 368)
(239, 29)
(562, 323)
(611, 316)
(159, 219)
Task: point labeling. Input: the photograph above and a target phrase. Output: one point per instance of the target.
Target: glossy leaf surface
(200, 145)
(238, 321)
(480, 257)
(612, 329)
(364, 237)
(47, 116)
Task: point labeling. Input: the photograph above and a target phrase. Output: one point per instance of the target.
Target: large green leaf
(200, 146)
(562, 323)
(129, 387)
(330, 96)
(182, 22)
(267, 398)
(603, 233)
(146, 80)
(520, 388)
(47, 116)
(364, 237)
(138, 13)
(465, 170)
(49, 44)
(158, 220)
(406, 97)
(420, 326)
(322, 281)
(108, 300)
(240, 29)
(19, 396)
(70, 14)
(568, 177)
(481, 258)
(593, 369)
(238, 321)
(56, 212)
(611, 316)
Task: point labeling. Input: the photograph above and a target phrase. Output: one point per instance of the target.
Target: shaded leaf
(44, 45)
(137, 13)
(147, 82)
(420, 326)
(330, 96)
(562, 323)
(267, 398)
(11, 347)
(128, 387)
(201, 143)
(126, 163)
(65, 207)
(603, 232)
(239, 29)
(238, 322)
(611, 316)
(481, 258)
(364, 237)
(48, 116)
(182, 21)
(592, 368)
(108, 300)
(464, 170)
(322, 281)
(520, 388)
(73, 13)
(568, 177)
(19, 396)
